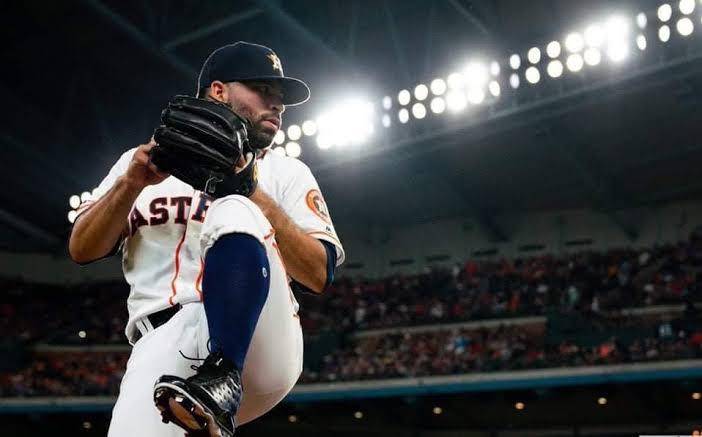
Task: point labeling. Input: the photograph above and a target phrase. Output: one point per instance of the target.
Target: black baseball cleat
(205, 404)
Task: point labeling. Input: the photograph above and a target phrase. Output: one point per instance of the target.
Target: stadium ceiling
(87, 80)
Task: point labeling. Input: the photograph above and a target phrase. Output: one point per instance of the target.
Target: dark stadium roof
(82, 81)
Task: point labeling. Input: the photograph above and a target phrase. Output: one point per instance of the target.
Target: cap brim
(294, 90)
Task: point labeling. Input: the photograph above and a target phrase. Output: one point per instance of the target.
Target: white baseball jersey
(161, 246)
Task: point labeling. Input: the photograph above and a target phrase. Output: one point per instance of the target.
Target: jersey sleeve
(108, 182)
(303, 202)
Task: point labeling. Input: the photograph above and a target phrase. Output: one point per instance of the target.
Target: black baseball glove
(200, 142)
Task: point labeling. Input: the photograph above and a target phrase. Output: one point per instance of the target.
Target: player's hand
(141, 172)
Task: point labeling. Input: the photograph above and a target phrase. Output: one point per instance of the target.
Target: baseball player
(212, 318)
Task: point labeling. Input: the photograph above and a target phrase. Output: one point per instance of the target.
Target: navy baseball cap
(243, 61)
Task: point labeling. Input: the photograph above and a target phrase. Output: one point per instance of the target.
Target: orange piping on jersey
(198, 288)
(270, 234)
(177, 267)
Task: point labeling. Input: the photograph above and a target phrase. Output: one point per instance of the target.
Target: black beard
(259, 139)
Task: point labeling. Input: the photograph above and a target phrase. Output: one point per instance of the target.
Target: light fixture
(279, 150)
(350, 121)
(641, 20)
(438, 105)
(324, 141)
(72, 215)
(592, 56)
(594, 35)
(514, 81)
(437, 410)
(574, 62)
(403, 115)
(494, 88)
(686, 6)
(519, 405)
(456, 81)
(387, 102)
(84, 196)
(555, 68)
(419, 111)
(294, 132)
(641, 42)
(602, 401)
(495, 68)
(532, 75)
(553, 49)
(292, 418)
(279, 137)
(574, 42)
(476, 75)
(665, 12)
(534, 55)
(293, 150)
(617, 52)
(403, 97)
(309, 127)
(697, 396)
(515, 61)
(664, 33)
(421, 92)
(386, 120)
(476, 96)
(358, 415)
(456, 101)
(438, 86)
(74, 201)
(685, 26)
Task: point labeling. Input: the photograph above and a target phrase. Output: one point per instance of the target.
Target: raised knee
(233, 214)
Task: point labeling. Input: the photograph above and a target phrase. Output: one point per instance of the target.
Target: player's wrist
(131, 184)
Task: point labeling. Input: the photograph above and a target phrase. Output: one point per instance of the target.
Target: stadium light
(349, 122)
(279, 150)
(294, 132)
(403, 97)
(515, 61)
(594, 35)
(403, 115)
(476, 75)
(387, 121)
(84, 196)
(697, 396)
(324, 141)
(279, 137)
(664, 33)
(686, 6)
(309, 127)
(574, 42)
(437, 410)
(641, 20)
(602, 401)
(293, 149)
(514, 81)
(618, 52)
(438, 86)
(555, 68)
(494, 88)
(534, 55)
(292, 418)
(74, 201)
(421, 92)
(519, 405)
(438, 105)
(592, 56)
(456, 101)
(387, 102)
(419, 111)
(456, 81)
(533, 76)
(553, 49)
(358, 415)
(574, 62)
(495, 68)
(685, 26)
(641, 42)
(72, 215)
(665, 12)
(476, 96)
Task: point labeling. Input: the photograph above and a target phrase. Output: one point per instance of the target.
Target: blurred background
(516, 185)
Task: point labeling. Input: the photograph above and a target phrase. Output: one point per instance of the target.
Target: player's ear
(219, 91)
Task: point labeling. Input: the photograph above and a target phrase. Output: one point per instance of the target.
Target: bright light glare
(575, 62)
(534, 55)
(594, 35)
(324, 141)
(574, 42)
(494, 88)
(686, 6)
(293, 149)
(438, 105)
(309, 127)
(476, 75)
(665, 12)
(617, 28)
(438, 86)
(617, 52)
(387, 102)
(555, 68)
(348, 123)
(74, 201)
(515, 61)
(533, 75)
(456, 81)
(456, 101)
(664, 33)
(553, 49)
(495, 68)
(476, 96)
(641, 42)
(72, 216)
(685, 26)
(641, 20)
(279, 150)
(279, 137)
(514, 81)
(403, 97)
(386, 120)
(592, 56)
(403, 115)
(84, 196)
(421, 92)
(294, 132)
(419, 111)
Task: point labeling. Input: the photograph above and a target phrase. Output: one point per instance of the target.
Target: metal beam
(470, 16)
(211, 28)
(142, 39)
(278, 13)
(27, 228)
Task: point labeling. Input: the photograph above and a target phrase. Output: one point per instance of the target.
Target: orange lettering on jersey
(316, 203)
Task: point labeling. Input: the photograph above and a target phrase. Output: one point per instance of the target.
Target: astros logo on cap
(276, 62)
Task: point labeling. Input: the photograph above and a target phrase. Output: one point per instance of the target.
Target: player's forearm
(304, 256)
(97, 231)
